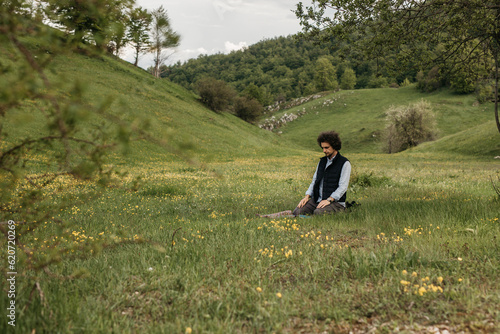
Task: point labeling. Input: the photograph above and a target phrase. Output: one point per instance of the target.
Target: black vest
(331, 176)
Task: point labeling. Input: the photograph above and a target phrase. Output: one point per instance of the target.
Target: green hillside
(173, 113)
(464, 127)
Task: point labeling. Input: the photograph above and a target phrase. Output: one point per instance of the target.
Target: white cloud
(235, 47)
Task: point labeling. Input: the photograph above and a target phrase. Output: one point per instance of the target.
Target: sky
(221, 26)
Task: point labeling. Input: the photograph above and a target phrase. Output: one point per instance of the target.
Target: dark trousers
(311, 208)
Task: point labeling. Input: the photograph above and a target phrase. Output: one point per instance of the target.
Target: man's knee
(300, 211)
(331, 208)
(307, 209)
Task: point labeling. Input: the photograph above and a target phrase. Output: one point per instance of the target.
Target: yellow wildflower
(259, 289)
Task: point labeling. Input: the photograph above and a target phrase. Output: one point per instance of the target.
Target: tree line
(284, 68)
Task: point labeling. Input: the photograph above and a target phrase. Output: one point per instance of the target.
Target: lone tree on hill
(163, 37)
(138, 31)
(424, 32)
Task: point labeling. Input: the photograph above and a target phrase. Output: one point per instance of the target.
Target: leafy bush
(431, 81)
(377, 82)
(405, 83)
(215, 94)
(247, 109)
(55, 159)
(462, 83)
(485, 91)
(409, 126)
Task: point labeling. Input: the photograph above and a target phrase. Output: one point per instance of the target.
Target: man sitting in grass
(327, 192)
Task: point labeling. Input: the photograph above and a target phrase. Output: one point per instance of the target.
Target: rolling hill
(464, 127)
(176, 115)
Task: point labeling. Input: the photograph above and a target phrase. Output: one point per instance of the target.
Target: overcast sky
(212, 26)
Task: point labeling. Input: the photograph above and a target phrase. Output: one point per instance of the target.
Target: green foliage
(163, 37)
(138, 31)
(463, 83)
(252, 91)
(406, 83)
(247, 109)
(325, 76)
(430, 82)
(485, 91)
(282, 68)
(378, 82)
(405, 34)
(215, 94)
(348, 79)
(409, 126)
(90, 21)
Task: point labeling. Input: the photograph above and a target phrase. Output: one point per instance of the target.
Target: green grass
(343, 272)
(195, 255)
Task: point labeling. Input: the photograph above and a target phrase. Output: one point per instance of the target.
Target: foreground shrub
(409, 126)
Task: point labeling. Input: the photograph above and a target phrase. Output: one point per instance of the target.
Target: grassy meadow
(421, 253)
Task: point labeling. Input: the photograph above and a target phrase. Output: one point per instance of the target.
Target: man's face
(328, 150)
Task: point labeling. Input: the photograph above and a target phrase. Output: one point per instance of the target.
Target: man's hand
(323, 203)
(304, 201)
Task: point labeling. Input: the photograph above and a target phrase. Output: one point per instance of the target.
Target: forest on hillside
(284, 68)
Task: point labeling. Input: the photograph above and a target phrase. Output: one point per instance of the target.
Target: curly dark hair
(332, 138)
